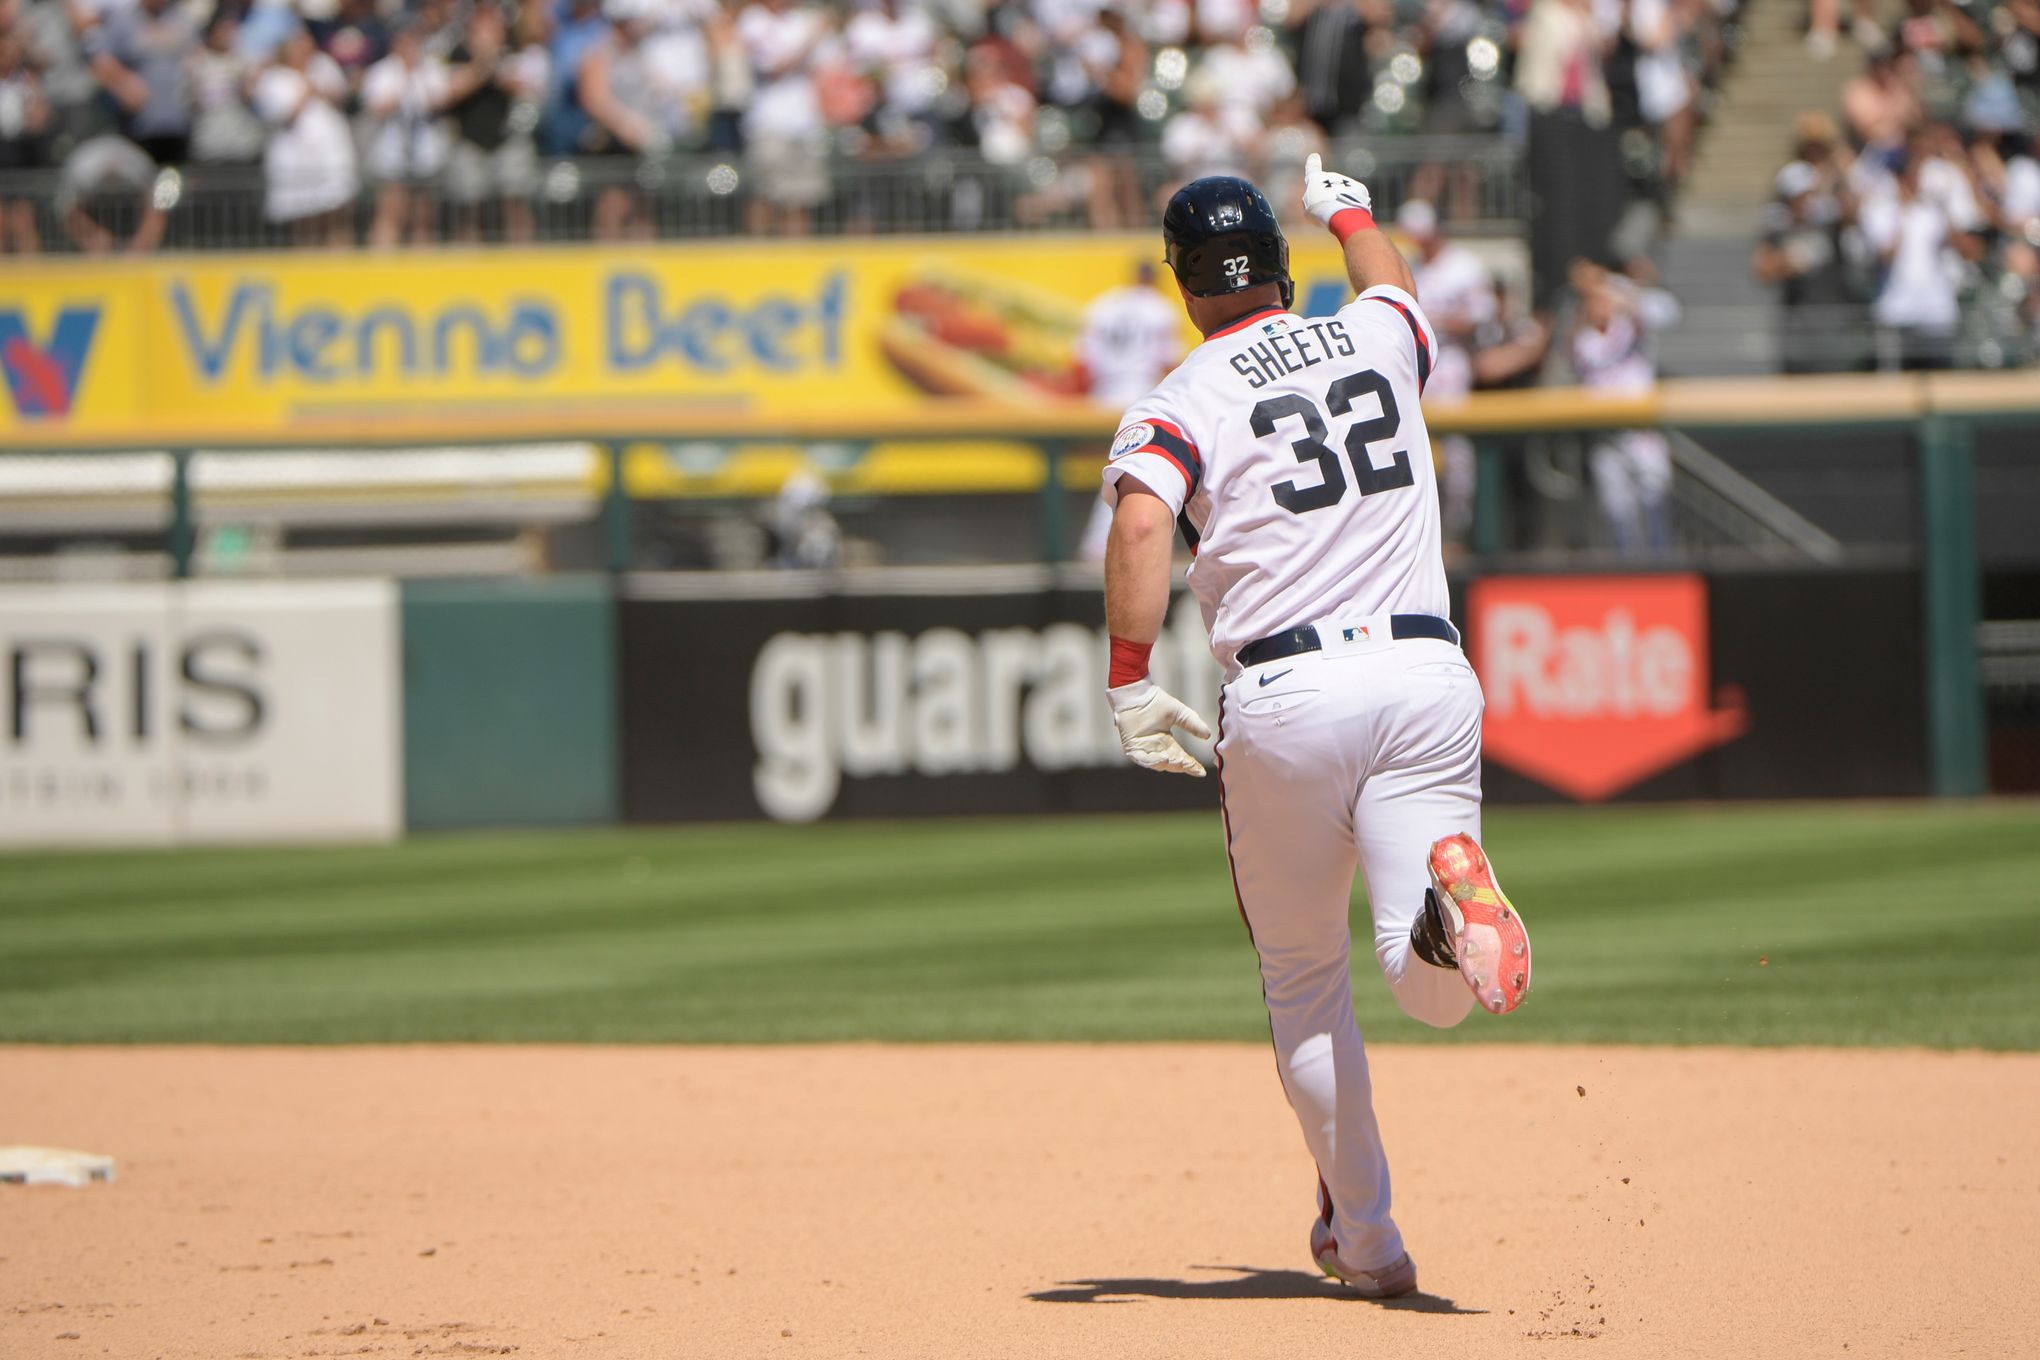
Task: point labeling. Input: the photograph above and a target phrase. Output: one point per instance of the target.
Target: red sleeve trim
(1417, 334)
(1171, 443)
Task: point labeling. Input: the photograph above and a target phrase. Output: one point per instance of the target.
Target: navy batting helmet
(1221, 236)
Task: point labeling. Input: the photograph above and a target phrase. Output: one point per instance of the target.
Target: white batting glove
(1327, 193)
(1147, 716)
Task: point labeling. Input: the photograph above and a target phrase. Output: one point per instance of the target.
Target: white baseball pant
(1367, 751)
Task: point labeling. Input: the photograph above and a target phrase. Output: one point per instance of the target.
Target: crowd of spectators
(1907, 234)
(412, 120)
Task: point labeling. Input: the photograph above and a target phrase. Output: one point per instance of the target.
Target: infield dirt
(1012, 1201)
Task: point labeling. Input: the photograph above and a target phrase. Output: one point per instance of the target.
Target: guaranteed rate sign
(1595, 683)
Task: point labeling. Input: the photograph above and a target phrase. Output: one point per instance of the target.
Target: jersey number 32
(1339, 399)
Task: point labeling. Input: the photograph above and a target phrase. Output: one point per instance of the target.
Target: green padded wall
(510, 702)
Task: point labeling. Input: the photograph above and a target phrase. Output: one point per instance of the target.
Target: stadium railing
(689, 195)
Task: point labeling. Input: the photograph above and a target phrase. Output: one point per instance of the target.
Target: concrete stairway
(1750, 133)
(1729, 325)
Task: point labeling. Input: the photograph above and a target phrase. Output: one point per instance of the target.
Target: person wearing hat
(1822, 325)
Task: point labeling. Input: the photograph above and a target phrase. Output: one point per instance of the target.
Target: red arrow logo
(1595, 683)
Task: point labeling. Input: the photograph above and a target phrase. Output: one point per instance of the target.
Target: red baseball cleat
(1489, 944)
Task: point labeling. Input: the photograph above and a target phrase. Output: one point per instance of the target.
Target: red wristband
(1346, 221)
(1129, 662)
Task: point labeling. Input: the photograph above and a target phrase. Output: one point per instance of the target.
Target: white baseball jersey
(1295, 455)
(1132, 337)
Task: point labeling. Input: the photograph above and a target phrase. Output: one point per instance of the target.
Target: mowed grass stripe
(1845, 924)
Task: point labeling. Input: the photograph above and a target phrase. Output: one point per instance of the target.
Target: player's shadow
(1240, 1282)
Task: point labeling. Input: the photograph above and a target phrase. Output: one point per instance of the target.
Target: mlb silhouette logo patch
(43, 375)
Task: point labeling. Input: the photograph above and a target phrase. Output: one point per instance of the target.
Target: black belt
(1305, 639)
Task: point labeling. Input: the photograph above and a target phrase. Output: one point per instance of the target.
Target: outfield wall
(210, 712)
(160, 713)
(919, 694)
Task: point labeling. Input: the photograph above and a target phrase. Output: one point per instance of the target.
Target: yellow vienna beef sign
(238, 346)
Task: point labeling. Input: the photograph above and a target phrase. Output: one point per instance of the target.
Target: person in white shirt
(1919, 245)
(401, 98)
(1612, 351)
(1290, 455)
(1664, 88)
(1208, 137)
(785, 140)
(308, 168)
(1132, 337)
(1247, 75)
(894, 43)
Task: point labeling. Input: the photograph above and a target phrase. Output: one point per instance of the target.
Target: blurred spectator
(492, 96)
(893, 45)
(1209, 137)
(1805, 249)
(1823, 27)
(1444, 37)
(1558, 61)
(1612, 352)
(1117, 65)
(401, 97)
(24, 134)
(730, 80)
(1916, 242)
(1459, 299)
(1664, 89)
(2018, 214)
(804, 535)
(265, 24)
(106, 197)
(1219, 21)
(1881, 108)
(1001, 110)
(1132, 337)
(567, 128)
(785, 142)
(1247, 74)
(224, 130)
(355, 36)
(141, 54)
(1333, 65)
(1511, 349)
(54, 50)
(638, 115)
(1286, 141)
(309, 164)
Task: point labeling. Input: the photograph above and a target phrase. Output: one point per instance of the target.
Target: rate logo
(1595, 683)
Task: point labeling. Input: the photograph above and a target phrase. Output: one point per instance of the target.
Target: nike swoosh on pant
(1267, 680)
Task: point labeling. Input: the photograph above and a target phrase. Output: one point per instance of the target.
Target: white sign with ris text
(207, 711)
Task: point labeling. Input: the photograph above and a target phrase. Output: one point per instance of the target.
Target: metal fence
(1478, 179)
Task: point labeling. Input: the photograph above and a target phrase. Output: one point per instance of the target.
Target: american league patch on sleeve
(1136, 436)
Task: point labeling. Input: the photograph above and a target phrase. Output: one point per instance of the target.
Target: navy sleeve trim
(1416, 334)
(1171, 444)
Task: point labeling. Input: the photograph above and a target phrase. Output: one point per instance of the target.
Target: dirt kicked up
(1011, 1201)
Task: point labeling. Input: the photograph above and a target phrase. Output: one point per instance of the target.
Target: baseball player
(1291, 454)
(1132, 337)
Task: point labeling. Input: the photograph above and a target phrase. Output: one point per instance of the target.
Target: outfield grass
(1881, 924)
